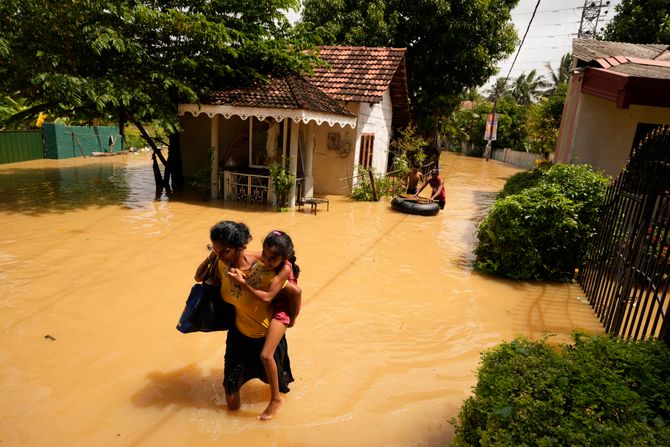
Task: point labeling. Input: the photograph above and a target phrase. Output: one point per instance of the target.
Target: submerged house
(323, 127)
(618, 92)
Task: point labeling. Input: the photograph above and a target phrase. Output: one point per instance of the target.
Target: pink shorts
(280, 309)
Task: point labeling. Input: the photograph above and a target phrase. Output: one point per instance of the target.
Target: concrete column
(214, 142)
(310, 143)
(293, 159)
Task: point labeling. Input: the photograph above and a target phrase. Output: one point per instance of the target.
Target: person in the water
(245, 341)
(278, 256)
(438, 193)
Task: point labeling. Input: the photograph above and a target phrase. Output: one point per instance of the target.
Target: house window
(365, 153)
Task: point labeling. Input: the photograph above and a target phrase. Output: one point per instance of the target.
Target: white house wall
(603, 135)
(376, 119)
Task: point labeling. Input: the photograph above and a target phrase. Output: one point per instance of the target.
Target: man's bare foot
(272, 409)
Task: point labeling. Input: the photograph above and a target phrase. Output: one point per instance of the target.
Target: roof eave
(297, 115)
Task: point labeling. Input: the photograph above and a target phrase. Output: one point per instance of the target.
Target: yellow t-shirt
(252, 316)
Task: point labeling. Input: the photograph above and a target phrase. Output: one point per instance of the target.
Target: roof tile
(357, 73)
(289, 92)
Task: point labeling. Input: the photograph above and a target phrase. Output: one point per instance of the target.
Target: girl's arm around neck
(275, 285)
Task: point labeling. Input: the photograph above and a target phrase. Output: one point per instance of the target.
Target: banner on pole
(491, 127)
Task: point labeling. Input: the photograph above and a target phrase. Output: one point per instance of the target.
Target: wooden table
(313, 202)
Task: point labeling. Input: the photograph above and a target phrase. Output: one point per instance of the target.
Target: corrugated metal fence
(57, 141)
(20, 145)
(75, 141)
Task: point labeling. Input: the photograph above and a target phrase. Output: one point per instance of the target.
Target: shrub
(540, 225)
(282, 182)
(534, 234)
(598, 391)
(520, 181)
(407, 150)
(384, 185)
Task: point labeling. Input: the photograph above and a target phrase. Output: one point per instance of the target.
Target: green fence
(62, 141)
(20, 145)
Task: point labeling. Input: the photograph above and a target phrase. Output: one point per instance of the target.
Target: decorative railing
(251, 188)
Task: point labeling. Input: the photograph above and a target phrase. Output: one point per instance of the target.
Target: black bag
(205, 310)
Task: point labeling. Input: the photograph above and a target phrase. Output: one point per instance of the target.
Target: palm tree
(560, 76)
(498, 90)
(527, 88)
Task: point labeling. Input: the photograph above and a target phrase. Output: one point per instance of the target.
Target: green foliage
(451, 46)
(544, 120)
(202, 178)
(598, 391)
(97, 59)
(385, 186)
(520, 181)
(640, 21)
(540, 225)
(528, 87)
(282, 182)
(512, 124)
(561, 75)
(408, 149)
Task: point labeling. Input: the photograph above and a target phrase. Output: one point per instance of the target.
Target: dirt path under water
(94, 273)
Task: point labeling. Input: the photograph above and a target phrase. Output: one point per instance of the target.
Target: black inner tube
(416, 207)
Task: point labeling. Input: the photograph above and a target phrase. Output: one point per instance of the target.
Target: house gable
(364, 74)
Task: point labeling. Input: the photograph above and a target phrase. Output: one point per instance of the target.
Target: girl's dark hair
(234, 234)
(282, 242)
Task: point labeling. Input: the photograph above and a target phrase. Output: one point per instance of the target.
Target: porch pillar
(308, 156)
(293, 159)
(214, 143)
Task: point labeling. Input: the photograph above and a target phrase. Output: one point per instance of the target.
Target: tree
(136, 60)
(499, 89)
(640, 21)
(451, 45)
(528, 87)
(544, 120)
(561, 75)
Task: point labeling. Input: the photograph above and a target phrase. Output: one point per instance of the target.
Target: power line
(487, 151)
(523, 39)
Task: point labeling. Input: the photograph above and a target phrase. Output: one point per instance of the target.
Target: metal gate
(626, 276)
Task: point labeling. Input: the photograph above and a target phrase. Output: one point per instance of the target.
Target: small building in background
(322, 127)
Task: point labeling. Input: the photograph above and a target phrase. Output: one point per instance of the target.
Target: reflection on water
(94, 272)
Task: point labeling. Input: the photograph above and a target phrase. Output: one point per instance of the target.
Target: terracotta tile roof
(360, 74)
(289, 92)
(587, 49)
(638, 60)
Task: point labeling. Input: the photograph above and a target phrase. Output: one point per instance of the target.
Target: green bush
(520, 181)
(384, 185)
(599, 391)
(540, 225)
(282, 182)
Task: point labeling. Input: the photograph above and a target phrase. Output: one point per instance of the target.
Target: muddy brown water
(94, 273)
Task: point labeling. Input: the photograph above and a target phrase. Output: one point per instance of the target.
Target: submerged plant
(282, 182)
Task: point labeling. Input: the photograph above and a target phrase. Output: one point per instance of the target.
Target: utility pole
(588, 25)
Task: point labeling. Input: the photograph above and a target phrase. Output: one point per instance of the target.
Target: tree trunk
(122, 126)
(161, 182)
(174, 162)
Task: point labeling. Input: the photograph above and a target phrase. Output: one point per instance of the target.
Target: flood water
(94, 273)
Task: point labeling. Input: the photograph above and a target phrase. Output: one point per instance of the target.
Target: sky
(550, 35)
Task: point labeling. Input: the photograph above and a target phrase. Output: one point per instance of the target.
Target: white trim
(298, 116)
